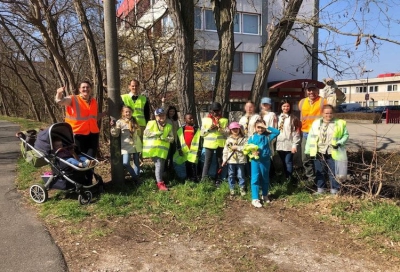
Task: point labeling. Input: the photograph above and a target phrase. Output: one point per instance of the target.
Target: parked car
(362, 109)
(349, 106)
(391, 107)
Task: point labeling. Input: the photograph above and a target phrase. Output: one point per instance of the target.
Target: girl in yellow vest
(128, 128)
(156, 140)
(326, 135)
(213, 131)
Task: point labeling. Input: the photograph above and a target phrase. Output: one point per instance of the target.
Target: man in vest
(213, 131)
(188, 147)
(310, 110)
(139, 103)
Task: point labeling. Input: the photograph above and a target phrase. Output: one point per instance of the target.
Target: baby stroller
(37, 148)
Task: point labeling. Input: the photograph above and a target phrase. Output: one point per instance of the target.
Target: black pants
(88, 144)
(191, 170)
(208, 158)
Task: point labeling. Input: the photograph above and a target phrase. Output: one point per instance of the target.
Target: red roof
(126, 6)
(389, 75)
(239, 94)
(296, 83)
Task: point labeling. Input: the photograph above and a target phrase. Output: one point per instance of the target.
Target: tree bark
(182, 14)
(279, 33)
(224, 14)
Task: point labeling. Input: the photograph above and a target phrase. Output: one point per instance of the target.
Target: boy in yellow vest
(156, 140)
(188, 147)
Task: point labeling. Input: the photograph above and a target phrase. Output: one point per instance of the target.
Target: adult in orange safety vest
(82, 115)
(310, 110)
(214, 132)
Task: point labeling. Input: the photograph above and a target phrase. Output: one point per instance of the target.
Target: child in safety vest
(128, 128)
(156, 141)
(233, 156)
(260, 167)
(188, 147)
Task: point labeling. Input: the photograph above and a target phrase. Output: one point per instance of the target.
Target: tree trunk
(182, 14)
(276, 38)
(224, 14)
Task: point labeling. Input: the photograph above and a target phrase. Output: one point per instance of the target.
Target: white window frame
(200, 17)
(205, 20)
(167, 25)
(248, 71)
(392, 88)
(243, 23)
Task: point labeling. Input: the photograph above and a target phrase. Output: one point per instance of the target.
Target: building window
(250, 24)
(344, 90)
(210, 22)
(361, 89)
(197, 18)
(236, 23)
(373, 89)
(167, 25)
(250, 62)
(237, 106)
(237, 63)
(392, 88)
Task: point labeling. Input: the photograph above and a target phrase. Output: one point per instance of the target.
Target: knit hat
(215, 106)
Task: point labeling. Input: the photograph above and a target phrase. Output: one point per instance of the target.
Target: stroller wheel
(85, 198)
(38, 193)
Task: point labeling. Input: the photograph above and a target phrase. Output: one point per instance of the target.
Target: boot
(161, 186)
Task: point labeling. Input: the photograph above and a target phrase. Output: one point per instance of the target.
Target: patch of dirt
(274, 238)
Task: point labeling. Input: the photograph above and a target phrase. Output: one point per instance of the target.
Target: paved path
(25, 244)
(382, 136)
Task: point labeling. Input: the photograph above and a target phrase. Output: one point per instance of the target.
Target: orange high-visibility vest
(310, 112)
(82, 116)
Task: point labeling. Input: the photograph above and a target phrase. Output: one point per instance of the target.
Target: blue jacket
(262, 141)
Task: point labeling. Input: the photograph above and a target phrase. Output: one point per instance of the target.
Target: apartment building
(292, 68)
(382, 90)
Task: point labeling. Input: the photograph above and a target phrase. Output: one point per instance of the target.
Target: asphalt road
(383, 137)
(25, 244)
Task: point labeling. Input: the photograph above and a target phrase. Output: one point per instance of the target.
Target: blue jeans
(209, 153)
(287, 161)
(236, 170)
(73, 161)
(325, 165)
(126, 162)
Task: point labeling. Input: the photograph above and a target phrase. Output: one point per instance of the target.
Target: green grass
(24, 123)
(374, 217)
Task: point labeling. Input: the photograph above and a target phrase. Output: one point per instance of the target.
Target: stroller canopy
(62, 131)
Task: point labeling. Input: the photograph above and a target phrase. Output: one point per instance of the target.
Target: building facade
(253, 19)
(383, 90)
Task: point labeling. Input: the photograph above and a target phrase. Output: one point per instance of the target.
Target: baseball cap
(311, 86)
(234, 125)
(159, 111)
(265, 100)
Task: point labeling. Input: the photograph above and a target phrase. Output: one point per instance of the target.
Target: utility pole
(113, 86)
(367, 94)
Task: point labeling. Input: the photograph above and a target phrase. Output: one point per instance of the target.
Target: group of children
(241, 151)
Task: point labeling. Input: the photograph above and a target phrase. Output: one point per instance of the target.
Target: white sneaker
(256, 203)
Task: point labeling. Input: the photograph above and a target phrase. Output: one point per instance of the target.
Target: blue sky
(350, 16)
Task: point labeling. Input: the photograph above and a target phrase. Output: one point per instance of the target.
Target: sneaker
(232, 192)
(161, 186)
(242, 191)
(266, 199)
(320, 191)
(334, 191)
(256, 203)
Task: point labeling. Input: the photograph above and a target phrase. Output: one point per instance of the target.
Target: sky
(372, 18)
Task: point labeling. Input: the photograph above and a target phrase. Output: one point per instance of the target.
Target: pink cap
(234, 125)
